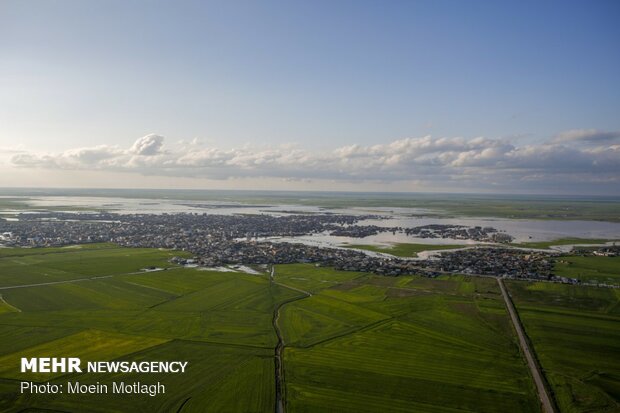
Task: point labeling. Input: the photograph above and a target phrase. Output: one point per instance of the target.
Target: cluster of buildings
(233, 239)
(181, 231)
(501, 261)
(606, 251)
(459, 232)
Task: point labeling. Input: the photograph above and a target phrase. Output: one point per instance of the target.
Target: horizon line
(563, 195)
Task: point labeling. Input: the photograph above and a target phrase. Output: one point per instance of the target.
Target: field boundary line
(183, 405)
(10, 305)
(221, 343)
(308, 293)
(348, 333)
(93, 278)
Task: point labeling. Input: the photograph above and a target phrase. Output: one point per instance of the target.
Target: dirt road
(532, 363)
(280, 385)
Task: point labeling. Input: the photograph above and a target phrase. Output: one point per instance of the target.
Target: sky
(446, 96)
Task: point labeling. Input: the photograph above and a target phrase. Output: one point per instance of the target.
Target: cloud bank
(577, 157)
(588, 136)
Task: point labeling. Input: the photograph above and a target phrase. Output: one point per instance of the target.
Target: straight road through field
(529, 357)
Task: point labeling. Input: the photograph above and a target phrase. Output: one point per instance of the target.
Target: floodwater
(521, 230)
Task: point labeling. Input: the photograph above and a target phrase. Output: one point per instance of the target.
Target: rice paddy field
(353, 342)
(592, 269)
(576, 333)
(219, 322)
(410, 344)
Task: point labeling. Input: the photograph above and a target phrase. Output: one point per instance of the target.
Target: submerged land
(543, 207)
(404, 249)
(270, 321)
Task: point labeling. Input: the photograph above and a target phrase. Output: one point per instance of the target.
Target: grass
(562, 241)
(403, 249)
(219, 378)
(575, 333)
(321, 317)
(219, 322)
(23, 337)
(569, 209)
(95, 294)
(85, 345)
(359, 343)
(22, 252)
(404, 349)
(312, 278)
(590, 269)
(20, 266)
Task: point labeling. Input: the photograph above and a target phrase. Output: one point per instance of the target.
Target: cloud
(81, 158)
(587, 136)
(429, 162)
(148, 145)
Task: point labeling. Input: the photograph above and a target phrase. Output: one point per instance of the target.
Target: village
(216, 240)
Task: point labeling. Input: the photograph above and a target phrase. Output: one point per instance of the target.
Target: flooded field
(523, 230)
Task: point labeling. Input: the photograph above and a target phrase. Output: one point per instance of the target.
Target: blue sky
(318, 76)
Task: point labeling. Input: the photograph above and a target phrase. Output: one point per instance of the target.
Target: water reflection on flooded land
(521, 230)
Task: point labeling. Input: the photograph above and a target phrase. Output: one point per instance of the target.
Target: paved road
(545, 400)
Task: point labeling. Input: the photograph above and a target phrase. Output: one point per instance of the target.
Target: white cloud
(81, 158)
(434, 162)
(148, 145)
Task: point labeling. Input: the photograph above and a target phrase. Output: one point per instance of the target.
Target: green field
(403, 249)
(219, 322)
(42, 265)
(575, 331)
(560, 209)
(590, 269)
(562, 241)
(358, 343)
(374, 344)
